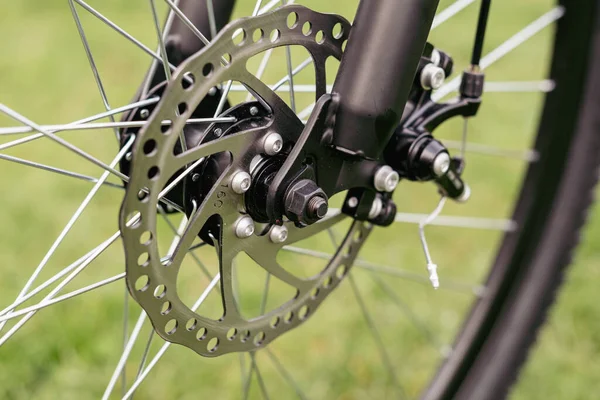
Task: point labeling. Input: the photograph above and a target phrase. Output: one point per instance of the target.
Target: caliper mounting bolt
(386, 179)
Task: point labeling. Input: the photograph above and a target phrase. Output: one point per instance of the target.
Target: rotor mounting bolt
(253, 110)
(441, 164)
(278, 234)
(432, 77)
(240, 182)
(386, 179)
(273, 143)
(244, 227)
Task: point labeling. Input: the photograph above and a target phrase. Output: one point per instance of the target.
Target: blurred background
(397, 325)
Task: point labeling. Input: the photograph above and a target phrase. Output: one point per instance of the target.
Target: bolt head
(386, 179)
(432, 77)
(212, 91)
(441, 164)
(278, 234)
(244, 227)
(253, 110)
(195, 177)
(218, 132)
(144, 113)
(240, 182)
(352, 202)
(273, 143)
(376, 208)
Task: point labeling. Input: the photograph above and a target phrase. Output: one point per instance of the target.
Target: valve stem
(431, 266)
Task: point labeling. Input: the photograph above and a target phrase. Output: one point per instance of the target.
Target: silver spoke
(122, 32)
(54, 300)
(524, 155)
(58, 288)
(295, 71)
(431, 336)
(261, 382)
(298, 88)
(27, 129)
(165, 346)
(13, 114)
(395, 271)
(505, 48)
(212, 23)
(90, 58)
(71, 222)
(109, 125)
(450, 12)
(285, 374)
(125, 355)
(187, 22)
(385, 357)
(58, 171)
(505, 225)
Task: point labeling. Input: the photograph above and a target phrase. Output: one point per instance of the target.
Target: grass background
(70, 350)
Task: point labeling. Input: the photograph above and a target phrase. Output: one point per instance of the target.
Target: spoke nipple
(386, 179)
(253, 110)
(240, 182)
(278, 234)
(244, 227)
(273, 143)
(212, 91)
(144, 113)
(441, 164)
(433, 275)
(432, 77)
(128, 156)
(218, 132)
(195, 177)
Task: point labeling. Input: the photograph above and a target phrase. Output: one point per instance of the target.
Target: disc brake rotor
(157, 158)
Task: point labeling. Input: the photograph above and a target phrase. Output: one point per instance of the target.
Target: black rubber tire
(552, 208)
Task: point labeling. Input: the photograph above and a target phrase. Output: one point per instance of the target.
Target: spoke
(505, 225)
(125, 355)
(385, 357)
(144, 357)
(431, 336)
(211, 18)
(450, 12)
(26, 129)
(269, 6)
(125, 335)
(13, 114)
(525, 155)
(298, 88)
(187, 22)
(122, 32)
(90, 57)
(295, 71)
(285, 374)
(165, 63)
(288, 56)
(58, 171)
(261, 382)
(72, 221)
(395, 271)
(165, 346)
(54, 300)
(50, 281)
(505, 48)
(259, 73)
(223, 99)
(106, 125)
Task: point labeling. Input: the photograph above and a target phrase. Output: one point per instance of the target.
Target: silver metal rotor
(151, 172)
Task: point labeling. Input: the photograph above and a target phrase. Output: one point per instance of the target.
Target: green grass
(70, 350)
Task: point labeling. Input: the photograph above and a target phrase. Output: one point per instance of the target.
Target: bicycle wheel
(384, 356)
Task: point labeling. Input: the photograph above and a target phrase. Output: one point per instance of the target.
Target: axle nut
(305, 202)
